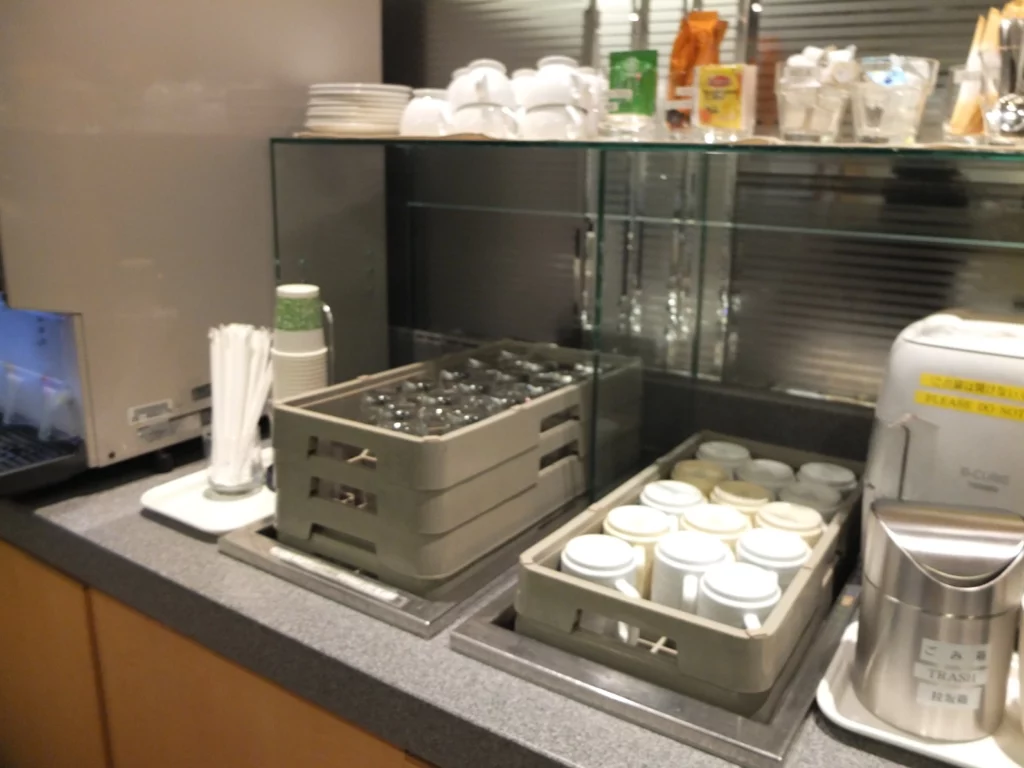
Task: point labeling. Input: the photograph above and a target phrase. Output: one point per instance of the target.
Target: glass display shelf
(767, 146)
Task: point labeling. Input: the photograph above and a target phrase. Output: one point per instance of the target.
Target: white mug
(491, 120)
(773, 475)
(639, 526)
(718, 520)
(483, 82)
(671, 497)
(729, 456)
(612, 563)
(553, 123)
(738, 594)
(781, 552)
(680, 559)
(783, 516)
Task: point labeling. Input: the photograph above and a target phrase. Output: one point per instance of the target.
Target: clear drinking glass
(235, 478)
(889, 99)
(810, 111)
(1002, 105)
(963, 119)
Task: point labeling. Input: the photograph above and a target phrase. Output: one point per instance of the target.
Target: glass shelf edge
(923, 151)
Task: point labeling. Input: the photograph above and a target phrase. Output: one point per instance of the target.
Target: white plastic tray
(189, 501)
(839, 703)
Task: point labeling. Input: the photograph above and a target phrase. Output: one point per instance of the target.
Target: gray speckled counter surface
(417, 694)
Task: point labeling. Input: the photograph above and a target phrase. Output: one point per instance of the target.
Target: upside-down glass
(888, 110)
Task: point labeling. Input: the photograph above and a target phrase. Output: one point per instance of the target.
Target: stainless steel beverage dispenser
(940, 606)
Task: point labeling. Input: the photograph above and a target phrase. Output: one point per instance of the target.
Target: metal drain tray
(257, 545)
(488, 637)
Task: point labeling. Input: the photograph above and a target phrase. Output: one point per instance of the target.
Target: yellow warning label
(970, 405)
(972, 387)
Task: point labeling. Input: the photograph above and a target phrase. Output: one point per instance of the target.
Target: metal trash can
(939, 612)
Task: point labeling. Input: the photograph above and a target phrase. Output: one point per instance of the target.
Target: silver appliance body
(939, 612)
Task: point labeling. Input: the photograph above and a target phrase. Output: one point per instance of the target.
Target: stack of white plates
(356, 108)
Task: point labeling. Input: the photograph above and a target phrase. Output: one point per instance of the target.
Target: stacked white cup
(299, 356)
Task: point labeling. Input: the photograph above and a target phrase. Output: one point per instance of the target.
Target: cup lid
(487, 64)
(703, 470)
(766, 472)
(671, 495)
(789, 517)
(716, 519)
(741, 582)
(775, 546)
(730, 454)
(740, 493)
(692, 548)
(599, 553)
(832, 475)
(815, 495)
(639, 521)
(298, 291)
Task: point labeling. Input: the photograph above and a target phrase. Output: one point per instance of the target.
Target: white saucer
(190, 501)
(839, 703)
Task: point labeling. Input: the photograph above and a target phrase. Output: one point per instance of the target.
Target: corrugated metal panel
(811, 264)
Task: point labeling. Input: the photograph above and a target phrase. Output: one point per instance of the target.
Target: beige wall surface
(135, 184)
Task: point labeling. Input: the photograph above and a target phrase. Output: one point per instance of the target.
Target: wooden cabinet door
(50, 711)
(172, 703)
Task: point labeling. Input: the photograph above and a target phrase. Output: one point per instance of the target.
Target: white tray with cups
(695, 580)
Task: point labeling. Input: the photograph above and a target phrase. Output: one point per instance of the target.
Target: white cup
(722, 522)
(782, 552)
(639, 526)
(814, 495)
(671, 497)
(522, 79)
(832, 475)
(738, 594)
(483, 82)
(746, 497)
(729, 456)
(680, 559)
(491, 120)
(773, 475)
(428, 114)
(783, 516)
(612, 563)
(554, 123)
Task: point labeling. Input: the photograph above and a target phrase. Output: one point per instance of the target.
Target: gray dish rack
(416, 511)
(739, 670)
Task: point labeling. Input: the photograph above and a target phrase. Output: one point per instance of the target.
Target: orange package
(699, 39)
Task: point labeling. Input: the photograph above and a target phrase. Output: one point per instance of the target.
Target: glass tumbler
(963, 119)
(810, 110)
(889, 99)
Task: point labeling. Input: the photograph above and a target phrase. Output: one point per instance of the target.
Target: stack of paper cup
(299, 355)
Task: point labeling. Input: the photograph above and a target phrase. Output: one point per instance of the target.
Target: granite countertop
(417, 694)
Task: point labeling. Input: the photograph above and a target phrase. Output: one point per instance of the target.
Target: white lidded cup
(746, 497)
(729, 456)
(718, 520)
(680, 559)
(782, 552)
(832, 475)
(773, 475)
(814, 495)
(671, 497)
(642, 527)
(807, 523)
(612, 563)
(738, 595)
(702, 474)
